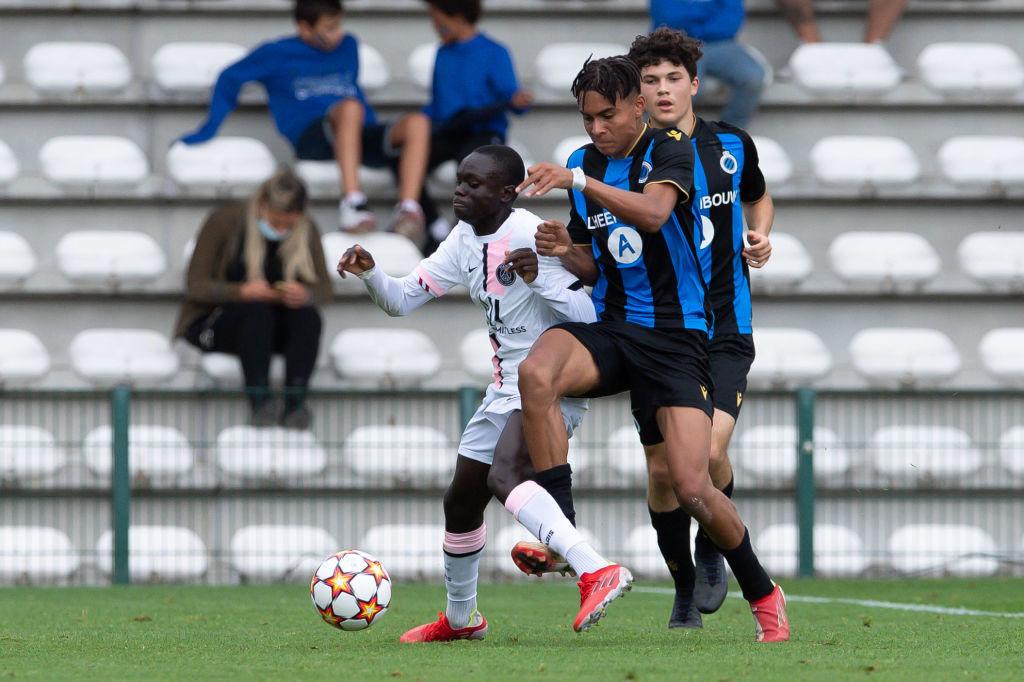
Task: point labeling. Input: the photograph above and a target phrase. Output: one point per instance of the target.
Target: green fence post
(120, 402)
(469, 400)
(805, 478)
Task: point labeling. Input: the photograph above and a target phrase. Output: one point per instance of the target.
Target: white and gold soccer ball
(351, 590)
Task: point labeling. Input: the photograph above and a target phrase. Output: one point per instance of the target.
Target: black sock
(558, 482)
(728, 487)
(673, 529)
(703, 537)
(751, 576)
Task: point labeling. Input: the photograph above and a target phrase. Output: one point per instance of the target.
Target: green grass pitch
(272, 632)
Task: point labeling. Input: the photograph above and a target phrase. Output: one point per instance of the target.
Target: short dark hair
(667, 45)
(613, 78)
(509, 163)
(467, 9)
(310, 11)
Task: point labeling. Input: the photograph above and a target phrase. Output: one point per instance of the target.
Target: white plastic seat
(23, 358)
(1000, 351)
(624, 456)
(565, 148)
(558, 63)
(9, 166)
(987, 160)
(324, 177)
(838, 550)
(221, 162)
(152, 450)
(373, 69)
(279, 552)
(63, 67)
(903, 356)
(192, 66)
(788, 357)
(844, 68)
(913, 451)
(968, 69)
(788, 267)
(27, 451)
(769, 451)
(477, 354)
(885, 260)
(91, 160)
(951, 549)
(394, 254)
(110, 257)
(383, 455)
(109, 356)
(157, 554)
(387, 356)
(254, 452)
(773, 161)
(995, 259)
(17, 261)
(644, 556)
(421, 64)
(408, 551)
(864, 160)
(36, 554)
(501, 547)
(1011, 450)
(226, 369)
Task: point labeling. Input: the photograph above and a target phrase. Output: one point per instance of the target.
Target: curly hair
(666, 44)
(614, 78)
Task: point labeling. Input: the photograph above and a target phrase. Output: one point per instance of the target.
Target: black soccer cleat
(684, 614)
(711, 585)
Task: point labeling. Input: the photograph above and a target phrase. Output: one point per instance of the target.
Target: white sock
(461, 569)
(355, 198)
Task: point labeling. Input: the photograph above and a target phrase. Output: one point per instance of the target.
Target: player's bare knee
(658, 476)
(718, 456)
(691, 494)
(535, 384)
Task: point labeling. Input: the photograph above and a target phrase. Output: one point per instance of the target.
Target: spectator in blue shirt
(716, 23)
(313, 92)
(474, 85)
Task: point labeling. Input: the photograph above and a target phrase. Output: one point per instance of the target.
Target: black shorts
(317, 144)
(731, 357)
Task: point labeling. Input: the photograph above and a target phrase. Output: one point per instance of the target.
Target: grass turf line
(272, 632)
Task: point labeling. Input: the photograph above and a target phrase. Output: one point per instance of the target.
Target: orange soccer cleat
(536, 558)
(770, 620)
(441, 631)
(597, 590)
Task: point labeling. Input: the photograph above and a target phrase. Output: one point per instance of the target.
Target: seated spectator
(716, 23)
(474, 84)
(313, 92)
(882, 17)
(255, 280)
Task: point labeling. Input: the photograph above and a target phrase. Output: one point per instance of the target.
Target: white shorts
(482, 433)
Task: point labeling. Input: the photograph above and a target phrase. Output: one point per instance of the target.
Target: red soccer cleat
(597, 590)
(770, 620)
(536, 558)
(441, 631)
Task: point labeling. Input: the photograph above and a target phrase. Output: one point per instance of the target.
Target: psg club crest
(506, 275)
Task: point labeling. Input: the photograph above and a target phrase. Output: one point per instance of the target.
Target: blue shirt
(708, 20)
(302, 84)
(475, 74)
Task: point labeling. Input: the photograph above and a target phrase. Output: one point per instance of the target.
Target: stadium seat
(838, 550)
(192, 66)
(864, 161)
(788, 267)
(17, 261)
(565, 148)
(924, 452)
(477, 354)
(774, 163)
(949, 549)
(421, 65)
(373, 69)
(643, 556)
(1011, 450)
(395, 254)
(157, 554)
(110, 356)
(152, 451)
(23, 358)
(276, 453)
(624, 457)
(324, 178)
(986, 160)
(36, 554)
(507, 537)
(844, 68)
(883, 260)
(768, 451)
(113, 258)
(8, 164)
(28, 451)
(993, 258)
(969, 69)
(226, 370)
(93, 160)
(1000, 351)
(386, 356)
(410, 456)
(222, 162)
(279, 552)
(788, 357)
(66, 67)
(558, 63)
(892, 357)
(408, 551)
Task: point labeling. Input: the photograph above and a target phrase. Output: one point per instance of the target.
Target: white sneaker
(408, 221)
(354, 215)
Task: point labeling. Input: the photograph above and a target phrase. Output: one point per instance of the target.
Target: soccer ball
(351, 590)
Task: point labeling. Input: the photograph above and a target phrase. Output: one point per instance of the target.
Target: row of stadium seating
(275, 552)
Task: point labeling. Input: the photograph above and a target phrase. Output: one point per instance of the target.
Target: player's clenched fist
(356, 260)
(545, 177)
(553, 239)
(523, 262)
(759, 249)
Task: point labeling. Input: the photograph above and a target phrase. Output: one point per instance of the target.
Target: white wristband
(579, 179)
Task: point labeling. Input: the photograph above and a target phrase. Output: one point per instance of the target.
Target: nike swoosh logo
(473, 268)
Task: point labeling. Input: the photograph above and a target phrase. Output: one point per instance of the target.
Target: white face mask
(269, 232)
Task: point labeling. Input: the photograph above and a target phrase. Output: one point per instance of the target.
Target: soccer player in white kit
(490, 251)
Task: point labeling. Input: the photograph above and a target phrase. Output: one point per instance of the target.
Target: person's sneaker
(597, 591)
(684, 614)
(441, 631)
(354, 215)
(409, 222)
(265, 414)
(770, 620)
(299, 418)
(536, 558)
(711, 584)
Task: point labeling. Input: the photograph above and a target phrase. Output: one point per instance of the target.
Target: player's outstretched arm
(562, 292)
(760, 215)
(394, 296)
(553, 240)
